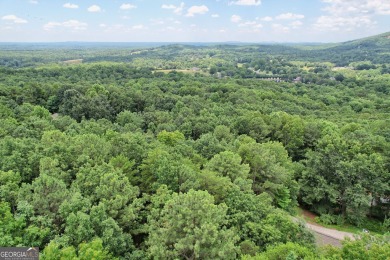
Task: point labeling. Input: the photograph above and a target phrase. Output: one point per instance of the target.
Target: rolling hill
(375, 49)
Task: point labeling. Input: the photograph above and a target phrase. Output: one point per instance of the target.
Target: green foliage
(191, 226)
(93, 250)
(130, 121)
(341, 174)
(86, 251)
(279, 228)
(248, 247)
(164, 168)
(271, 172)
(170, 138)
(367, 247)
(146, 159)
(285, 251)
(10, 228)
(228, 164)
(45, 195)
(9, 185)
(105, 184)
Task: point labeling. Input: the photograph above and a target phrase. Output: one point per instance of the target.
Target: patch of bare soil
(309, 217)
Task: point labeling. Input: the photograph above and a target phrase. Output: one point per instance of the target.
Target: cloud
(34, 2)
(267, 19)
(114, 28)
(246, 2)
(296, 24)
(381, 7)
(13, 19)
(176, 9)
(179, 9)
(351, 15)
(71, 6)
(215, 15)
(157, 22)
(74, 25)
(127, 6)
(338, 7)
(252, 24)
(138, 27)
(235, 18)
(248, 23)
(197, 9)
(94, 9)
(171, 29)
(51, 25)
(289, 16)
(279, 28)
(336, 23)
(168, 7)
(120, 28)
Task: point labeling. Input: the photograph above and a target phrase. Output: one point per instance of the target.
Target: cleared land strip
(326, 236)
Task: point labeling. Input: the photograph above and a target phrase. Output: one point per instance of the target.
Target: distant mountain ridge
(375, 49)
(381, 41)
(381, 38)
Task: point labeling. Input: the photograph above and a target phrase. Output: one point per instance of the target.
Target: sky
(192, 20)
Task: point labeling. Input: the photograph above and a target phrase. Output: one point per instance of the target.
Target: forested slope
(152, 158)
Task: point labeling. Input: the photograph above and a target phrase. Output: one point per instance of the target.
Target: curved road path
(327, 236)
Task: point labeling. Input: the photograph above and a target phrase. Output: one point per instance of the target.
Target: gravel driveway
(326, 236)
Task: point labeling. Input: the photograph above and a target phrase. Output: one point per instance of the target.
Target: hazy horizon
(188, 21)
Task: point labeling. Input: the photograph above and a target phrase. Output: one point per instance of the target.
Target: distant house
(297, 80)
(78, 61)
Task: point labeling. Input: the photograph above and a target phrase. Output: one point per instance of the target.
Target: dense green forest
(194, 151)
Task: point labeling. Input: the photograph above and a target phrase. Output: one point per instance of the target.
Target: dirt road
(326, 236)
(323, 235)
